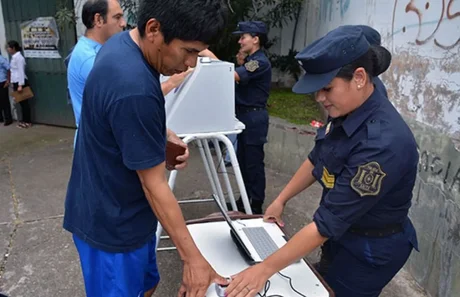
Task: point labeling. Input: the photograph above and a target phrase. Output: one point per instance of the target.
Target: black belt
(381, 232)
(243, 109)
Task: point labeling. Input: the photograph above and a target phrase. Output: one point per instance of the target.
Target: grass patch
(294, 108)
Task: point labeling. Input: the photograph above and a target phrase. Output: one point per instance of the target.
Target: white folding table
(212, 236)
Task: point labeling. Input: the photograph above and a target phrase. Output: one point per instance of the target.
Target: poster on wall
(40, 38)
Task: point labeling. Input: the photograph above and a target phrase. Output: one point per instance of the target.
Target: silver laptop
(255, 242)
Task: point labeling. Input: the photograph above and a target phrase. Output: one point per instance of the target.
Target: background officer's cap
(256, 27)
(323, 59)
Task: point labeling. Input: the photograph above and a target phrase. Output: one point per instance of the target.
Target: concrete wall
(424, 84)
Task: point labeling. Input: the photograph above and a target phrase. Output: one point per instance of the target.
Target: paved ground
(37, 257)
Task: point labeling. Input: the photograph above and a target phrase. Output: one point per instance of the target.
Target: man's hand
(197, 277)
(19, 88)
(6, 84)
(183, 158)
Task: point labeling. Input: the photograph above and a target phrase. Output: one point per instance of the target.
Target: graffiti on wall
(433, 17)
(327, 7)
(439, 167)
(423, 79)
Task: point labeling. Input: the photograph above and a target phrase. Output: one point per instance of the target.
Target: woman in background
(19, 79)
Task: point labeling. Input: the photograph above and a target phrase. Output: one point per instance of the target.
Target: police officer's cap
(256, 27)
(323, 59)
(372, 35)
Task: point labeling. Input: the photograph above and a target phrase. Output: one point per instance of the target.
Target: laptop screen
(233, 229)
(224, 213)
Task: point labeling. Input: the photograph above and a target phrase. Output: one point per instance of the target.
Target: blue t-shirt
(122, 129)
(80, 64)
(4, 67)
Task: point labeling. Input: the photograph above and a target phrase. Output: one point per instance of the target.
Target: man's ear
(152, 29)
(98, 20)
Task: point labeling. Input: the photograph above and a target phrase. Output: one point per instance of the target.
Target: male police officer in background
(253, 80)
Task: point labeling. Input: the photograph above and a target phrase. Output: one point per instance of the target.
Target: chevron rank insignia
(328, 179)
(368, 179)
(252, 65)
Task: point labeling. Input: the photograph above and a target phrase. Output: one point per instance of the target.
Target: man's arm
(168, 212)
(197, 273)
(174, 81)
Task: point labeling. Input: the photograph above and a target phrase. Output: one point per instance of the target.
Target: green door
(47, 77)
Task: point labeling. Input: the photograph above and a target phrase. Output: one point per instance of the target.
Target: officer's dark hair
(186, 20)
(14, 45)
(375, 61)
(91, 8)
(263, 39)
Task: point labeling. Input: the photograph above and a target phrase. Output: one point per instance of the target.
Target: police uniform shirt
(255, 78)
(367, 164)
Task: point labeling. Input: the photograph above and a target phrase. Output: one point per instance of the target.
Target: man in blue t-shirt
(102, 19)
(118, 189)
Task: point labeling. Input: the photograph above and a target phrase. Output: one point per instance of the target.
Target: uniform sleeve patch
(252, 65)
(368, 179)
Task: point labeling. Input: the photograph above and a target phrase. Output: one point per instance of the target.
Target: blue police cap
(372, 35)
(257, 27)
(324, 58)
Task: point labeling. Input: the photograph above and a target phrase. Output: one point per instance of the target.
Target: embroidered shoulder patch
(368, 179)
(252, 65)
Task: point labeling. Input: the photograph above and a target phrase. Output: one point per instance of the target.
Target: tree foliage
(275, 13)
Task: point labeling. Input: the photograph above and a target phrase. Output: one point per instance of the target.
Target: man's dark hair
(14, 45)
(91, 8)
(187, 20)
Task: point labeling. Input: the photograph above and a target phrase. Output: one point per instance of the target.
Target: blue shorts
(118, 274)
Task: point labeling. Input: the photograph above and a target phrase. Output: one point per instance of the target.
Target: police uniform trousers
(360, 266)
(250, 151)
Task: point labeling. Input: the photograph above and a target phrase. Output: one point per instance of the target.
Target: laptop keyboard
(261, 241)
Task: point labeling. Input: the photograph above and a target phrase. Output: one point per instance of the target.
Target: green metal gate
(47, 77)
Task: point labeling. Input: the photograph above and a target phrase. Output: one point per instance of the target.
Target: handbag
(25, 94)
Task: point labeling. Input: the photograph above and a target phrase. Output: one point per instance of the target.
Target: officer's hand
(248, 283)
(274, 212)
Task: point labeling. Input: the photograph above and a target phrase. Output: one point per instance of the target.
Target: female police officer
(366, 160)
(253, 81)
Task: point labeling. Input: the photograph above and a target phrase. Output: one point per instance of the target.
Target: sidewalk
(37, 257)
